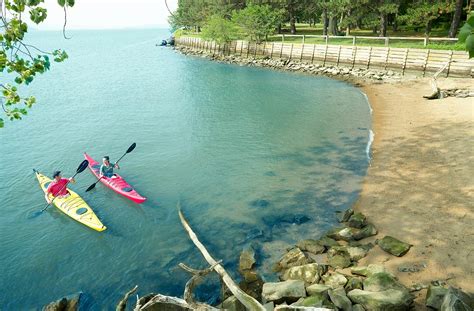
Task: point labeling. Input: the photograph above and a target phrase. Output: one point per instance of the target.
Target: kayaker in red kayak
(57, 187)
(107, 168)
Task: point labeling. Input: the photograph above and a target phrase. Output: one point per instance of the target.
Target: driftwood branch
(193, 282)
(249, 302)
(437, 94)
(122, 305)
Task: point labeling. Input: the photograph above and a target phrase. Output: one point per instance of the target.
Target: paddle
(130, 149)
(80, 169)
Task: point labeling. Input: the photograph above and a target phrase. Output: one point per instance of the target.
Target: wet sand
(420, 185)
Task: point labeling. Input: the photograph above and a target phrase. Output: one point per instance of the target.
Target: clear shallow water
(251, 154)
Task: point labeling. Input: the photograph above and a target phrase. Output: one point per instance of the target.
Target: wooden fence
(416, 60)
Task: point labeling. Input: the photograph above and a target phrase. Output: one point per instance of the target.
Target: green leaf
(70, 3)
(32, 3)
(470, 45)
(1, 123)
(37, 15)
(470, 21)
(464, 32)
(62, 2)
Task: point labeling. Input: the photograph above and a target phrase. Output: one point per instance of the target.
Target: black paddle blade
(82, 166)
(130, 149)
(91, 187)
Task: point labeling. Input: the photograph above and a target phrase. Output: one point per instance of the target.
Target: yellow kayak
(73, 206)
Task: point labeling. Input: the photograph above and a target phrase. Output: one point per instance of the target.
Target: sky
(107, 14)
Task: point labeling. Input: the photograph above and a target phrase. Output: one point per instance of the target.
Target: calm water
(251, 154)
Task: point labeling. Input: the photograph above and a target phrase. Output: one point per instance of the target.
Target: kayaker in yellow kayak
(57, 187)
(107, 168)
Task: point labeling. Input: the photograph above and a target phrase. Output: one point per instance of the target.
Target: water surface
(251, 154)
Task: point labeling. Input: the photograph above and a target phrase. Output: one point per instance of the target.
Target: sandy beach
(420, 185)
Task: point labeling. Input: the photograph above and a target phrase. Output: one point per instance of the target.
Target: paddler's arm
(72, 180)
(116, 166)
(46, 195)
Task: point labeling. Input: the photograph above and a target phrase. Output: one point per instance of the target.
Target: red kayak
(117, 184)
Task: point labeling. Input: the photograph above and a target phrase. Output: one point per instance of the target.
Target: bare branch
(122, 305)
(65, 22)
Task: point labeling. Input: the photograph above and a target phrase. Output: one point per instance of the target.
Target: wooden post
(291, 51)
(325, 54)
(301, 55)
(450, 60)
(354, 40)
(248, 48)
(283, 38)
(405, 61)
(370, 55)
(303, 39)
(255, 52)
(271, 53)
(241, 46)
(425, 41)
(354, 58)
(281, 50)
(312, 56)
(386, 41)
(426, 61)
(327, 39)
(264, 47)
(338, 56)
(386, 58)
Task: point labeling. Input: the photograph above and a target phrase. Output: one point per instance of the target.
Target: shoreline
(418, 186)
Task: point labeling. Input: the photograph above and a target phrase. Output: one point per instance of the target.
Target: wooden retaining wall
(414, 60)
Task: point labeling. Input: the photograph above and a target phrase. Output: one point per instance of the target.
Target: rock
(358, 220)
(457, 300)
(388, 300)
(340, 300)
(310, 273)
(233, 304)
(247, 259)
(339, 261)
(357, 308)
(289, 291)
(343, 233)
(394, 246)
(317, 289)
(260, 203)
(252, 284)
(327, 242)
(289, 308)
(435, 296)
(294, 257)
(249, 276)
(317, 300)
(368, 270)
(356, 253)
(353, 283)
(68, 303)
(269, 306)
(382, 281)
(311, 246)
(365, 232)
(335, 280)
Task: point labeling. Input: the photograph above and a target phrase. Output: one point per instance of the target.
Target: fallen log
(437, 93)
(249, 302)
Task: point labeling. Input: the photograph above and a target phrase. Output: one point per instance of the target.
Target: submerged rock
(247, 259)
(309, 273)
(311, 246)
(260, 203)
(340, 300)
(290, 290)
(68, 303)
(393, 246)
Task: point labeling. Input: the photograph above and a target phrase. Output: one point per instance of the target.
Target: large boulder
(310, 273)
(338, 257)
(316, 289)
(367, 270)
(358, 220)
(311, 246)
(388, 300)
(327, 242)
(457, 300)
(356, 253)
(435, 296)
(335, 280)
(365, 232)
(393, 246)
(68, 303)
(381, 281)
(294, 257)
(289, 291)
(351, 234)
(340, 300)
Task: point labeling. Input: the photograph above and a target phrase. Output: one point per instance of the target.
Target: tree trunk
(395, 23)
(292, 23)
(383, 25)
(333, 25)
(325, 22)
(428, 27)
(279, 28)
(359, 23)
(456, 19)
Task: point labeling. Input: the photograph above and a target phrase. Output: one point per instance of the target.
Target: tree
(257, 21)
(456, 18)
(466, 35)
(20, 60)
(219, 29)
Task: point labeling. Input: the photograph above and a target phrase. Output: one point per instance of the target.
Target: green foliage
(219, 29)
(258, 21)
(17, 58)
(466, 35)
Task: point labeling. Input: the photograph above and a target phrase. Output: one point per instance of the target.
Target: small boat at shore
(73, 206)
(117, 183)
